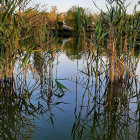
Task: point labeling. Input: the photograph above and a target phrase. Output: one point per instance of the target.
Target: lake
(70, 91)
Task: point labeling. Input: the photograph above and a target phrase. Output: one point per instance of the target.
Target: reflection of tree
(74, 48)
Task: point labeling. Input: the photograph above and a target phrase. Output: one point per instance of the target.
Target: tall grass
(118, 33)
(21, 34)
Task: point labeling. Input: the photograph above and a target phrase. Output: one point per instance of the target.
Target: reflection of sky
(63, 121)
(64, 5)
(138, 71)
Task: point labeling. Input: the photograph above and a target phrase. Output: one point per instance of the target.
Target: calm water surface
(70, 92)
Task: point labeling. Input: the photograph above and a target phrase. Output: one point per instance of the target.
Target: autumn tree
(77, 18)
(52, 17)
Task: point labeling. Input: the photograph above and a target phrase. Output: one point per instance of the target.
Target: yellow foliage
(52, 17)
(61, 17)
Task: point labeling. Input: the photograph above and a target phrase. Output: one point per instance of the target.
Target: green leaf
(61, 86)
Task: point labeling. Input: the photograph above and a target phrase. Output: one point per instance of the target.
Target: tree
(76, 17)
(52, 17)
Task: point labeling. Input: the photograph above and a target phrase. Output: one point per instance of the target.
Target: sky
(64, 5)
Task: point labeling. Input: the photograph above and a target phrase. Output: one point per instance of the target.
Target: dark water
(68, 93)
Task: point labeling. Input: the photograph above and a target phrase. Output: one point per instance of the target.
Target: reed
(118, 32)
(21, 33)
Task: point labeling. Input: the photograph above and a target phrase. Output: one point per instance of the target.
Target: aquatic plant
(117, 32)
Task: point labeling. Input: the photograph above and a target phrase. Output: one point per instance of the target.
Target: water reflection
(16, 113)
(112, 112)
(112, 108)
(103, 102)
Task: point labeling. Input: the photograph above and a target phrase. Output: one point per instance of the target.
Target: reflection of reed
(49, 91)
(109, 114)
(109, 118)
(16, 113)
(18, 84)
